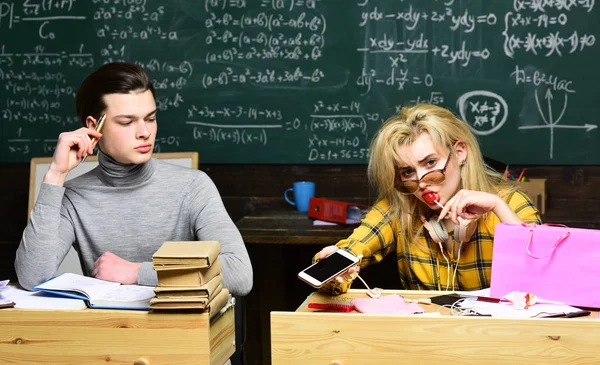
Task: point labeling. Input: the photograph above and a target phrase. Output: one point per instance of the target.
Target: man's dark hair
(112, 78)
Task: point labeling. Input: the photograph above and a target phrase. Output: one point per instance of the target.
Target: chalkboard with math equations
(311, 81)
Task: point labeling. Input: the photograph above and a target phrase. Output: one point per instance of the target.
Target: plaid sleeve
(519, 203)
(523, 207)
(373, 239)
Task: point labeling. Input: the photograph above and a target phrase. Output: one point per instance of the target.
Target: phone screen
(328, 267)
(447, 299)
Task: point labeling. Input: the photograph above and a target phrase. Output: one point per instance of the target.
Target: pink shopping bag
(553, 262)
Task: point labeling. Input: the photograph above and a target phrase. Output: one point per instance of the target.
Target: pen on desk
(582, 313)
(578, 314)
(477, 315)
(99, 126)
(502, 300)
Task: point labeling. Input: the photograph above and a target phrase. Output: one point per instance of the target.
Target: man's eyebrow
(127, 116)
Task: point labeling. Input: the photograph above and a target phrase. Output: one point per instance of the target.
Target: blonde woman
(421, 160)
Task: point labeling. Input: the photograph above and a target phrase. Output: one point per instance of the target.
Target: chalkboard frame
(39, 166)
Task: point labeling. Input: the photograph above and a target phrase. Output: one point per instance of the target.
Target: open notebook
(99, 293)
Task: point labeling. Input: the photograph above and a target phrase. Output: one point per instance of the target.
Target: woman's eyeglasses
(434, 177)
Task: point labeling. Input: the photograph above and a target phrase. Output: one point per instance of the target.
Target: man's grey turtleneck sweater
(129, 210)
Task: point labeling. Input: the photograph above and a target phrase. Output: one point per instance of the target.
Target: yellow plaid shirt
(377, 236)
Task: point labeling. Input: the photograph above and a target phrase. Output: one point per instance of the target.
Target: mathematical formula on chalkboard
(310, 81)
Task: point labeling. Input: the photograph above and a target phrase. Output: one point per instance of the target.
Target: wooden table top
(300, 338)
(288, 226)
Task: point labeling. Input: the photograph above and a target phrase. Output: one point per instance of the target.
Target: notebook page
(90, 286)
(39, 300)
(127, 293)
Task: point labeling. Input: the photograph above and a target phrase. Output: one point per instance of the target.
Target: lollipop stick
(438, 203)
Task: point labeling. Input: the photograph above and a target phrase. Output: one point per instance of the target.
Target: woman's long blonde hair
(445, 130)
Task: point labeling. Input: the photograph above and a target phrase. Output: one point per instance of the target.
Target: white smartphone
(328, 268)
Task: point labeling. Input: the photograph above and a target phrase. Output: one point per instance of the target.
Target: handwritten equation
(296, 81)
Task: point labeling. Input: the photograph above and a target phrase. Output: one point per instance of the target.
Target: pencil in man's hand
(99, 126)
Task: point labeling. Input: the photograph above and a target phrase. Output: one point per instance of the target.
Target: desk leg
(276, 288)
(268, 294)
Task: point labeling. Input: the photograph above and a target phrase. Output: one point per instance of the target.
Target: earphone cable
(373, 293)
(447, 267)
(456, 264)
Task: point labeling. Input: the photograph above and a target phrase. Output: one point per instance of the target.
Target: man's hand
(111, 267)
(70, 149)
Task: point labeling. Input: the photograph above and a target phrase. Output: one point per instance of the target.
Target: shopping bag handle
(558, 242)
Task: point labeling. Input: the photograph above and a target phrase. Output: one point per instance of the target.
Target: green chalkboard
(310, 81)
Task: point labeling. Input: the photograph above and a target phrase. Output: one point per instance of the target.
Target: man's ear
(460, 148)
(90, 122)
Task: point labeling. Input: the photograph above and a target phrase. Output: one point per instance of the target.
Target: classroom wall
(572, 193)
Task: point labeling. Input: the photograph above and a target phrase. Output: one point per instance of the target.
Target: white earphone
(439, 234)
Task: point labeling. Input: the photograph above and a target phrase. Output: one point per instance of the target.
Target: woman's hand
(352, 270)
(469, 204)
(70, 149)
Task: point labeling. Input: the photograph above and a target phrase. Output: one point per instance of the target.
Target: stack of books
(189, 277)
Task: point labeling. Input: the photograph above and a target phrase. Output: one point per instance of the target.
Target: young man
(120, 213)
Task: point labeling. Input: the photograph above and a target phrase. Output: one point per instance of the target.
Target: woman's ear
(460, 148)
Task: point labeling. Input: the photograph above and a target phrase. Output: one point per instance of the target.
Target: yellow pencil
(99, 126)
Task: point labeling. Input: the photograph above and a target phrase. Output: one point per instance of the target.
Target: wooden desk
(281, 243)
(305, 337)
(288, 227)
(96, 336)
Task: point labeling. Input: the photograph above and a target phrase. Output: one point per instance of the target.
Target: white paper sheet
(37, 300)
(92, 287)
(506, 310)
(318, 222)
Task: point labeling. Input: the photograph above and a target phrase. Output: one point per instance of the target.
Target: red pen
(497, 300)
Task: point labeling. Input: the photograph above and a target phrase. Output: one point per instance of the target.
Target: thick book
(98, 293)
(197, 302)
(213, 306)
(191, 294)
(186, 255)
(207, 290)
(187, 277)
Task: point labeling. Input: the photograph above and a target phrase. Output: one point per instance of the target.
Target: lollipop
(431, 197)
